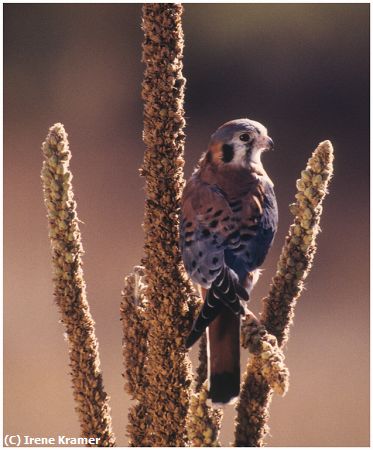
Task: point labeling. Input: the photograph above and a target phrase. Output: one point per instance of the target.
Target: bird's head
(239, 143)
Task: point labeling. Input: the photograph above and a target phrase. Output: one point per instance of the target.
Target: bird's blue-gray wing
(257, 228)
(207, 230)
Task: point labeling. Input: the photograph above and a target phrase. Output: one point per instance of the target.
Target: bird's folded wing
(206, 230)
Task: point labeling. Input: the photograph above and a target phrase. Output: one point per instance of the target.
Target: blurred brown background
(301, 69)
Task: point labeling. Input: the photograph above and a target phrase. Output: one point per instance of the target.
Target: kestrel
(228, 222)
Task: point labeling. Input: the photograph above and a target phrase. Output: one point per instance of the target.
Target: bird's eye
(245, 137)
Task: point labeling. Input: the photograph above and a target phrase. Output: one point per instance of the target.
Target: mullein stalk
(168, 313)
(204, 422)
(92, 402)
(278, 307)
(201, 375)
(267, 356)
(135, 333)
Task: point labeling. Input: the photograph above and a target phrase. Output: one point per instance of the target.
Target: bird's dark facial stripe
(227, 153)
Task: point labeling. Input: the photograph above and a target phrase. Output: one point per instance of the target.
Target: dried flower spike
(269, 358)
(203, 422)
(134, 332)
(300, 246)
(202, 366)
(278, 307)
(168, 313)
(70, 291)
(135, 353)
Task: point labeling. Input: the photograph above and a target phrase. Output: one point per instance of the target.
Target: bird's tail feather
(224, 357)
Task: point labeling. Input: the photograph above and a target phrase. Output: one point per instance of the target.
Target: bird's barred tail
(224, 357)
(221, 312)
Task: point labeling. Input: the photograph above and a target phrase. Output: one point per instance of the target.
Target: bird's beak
(270, 144)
